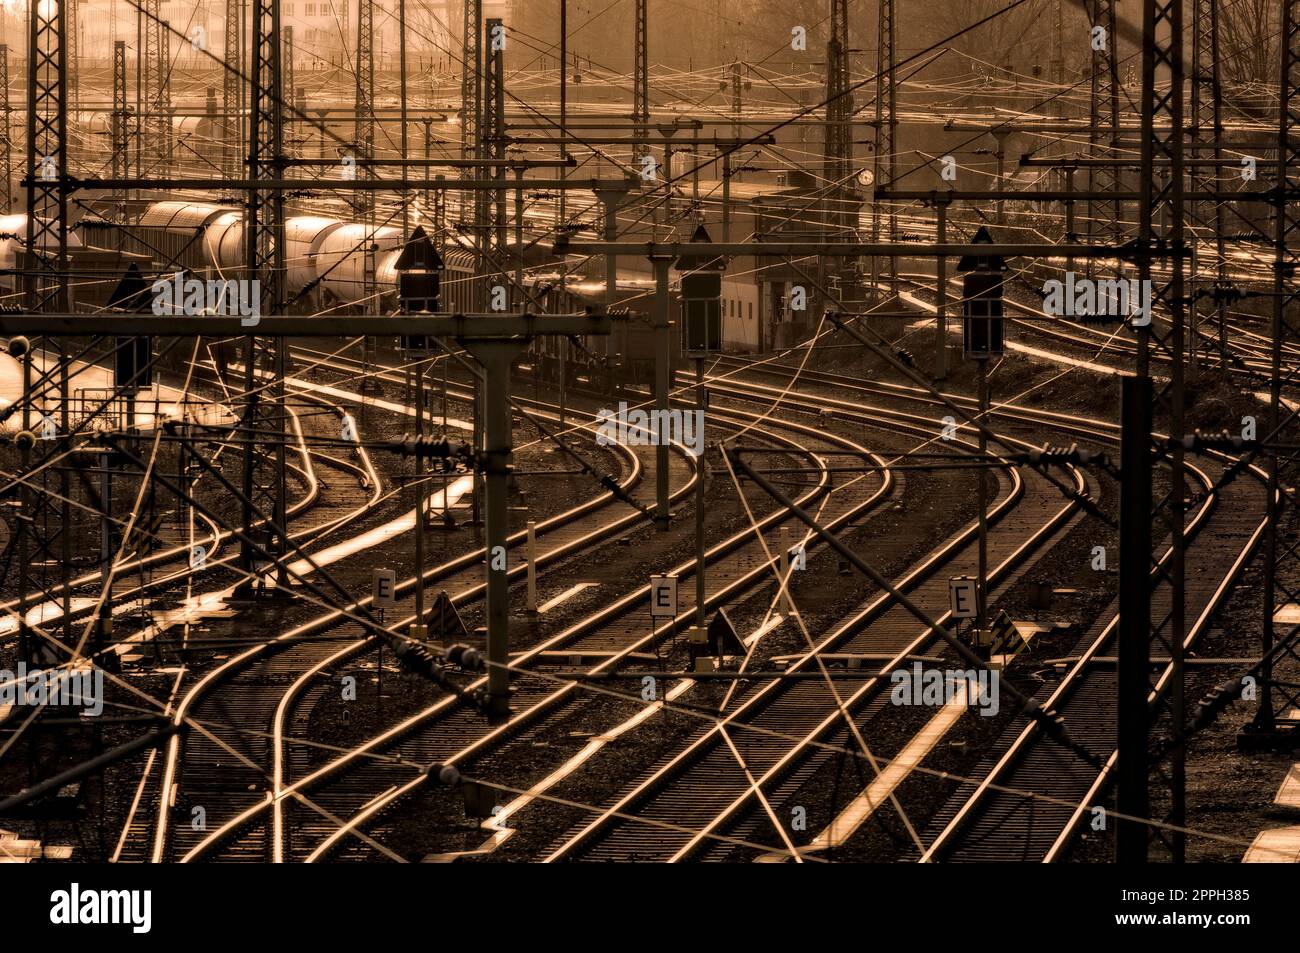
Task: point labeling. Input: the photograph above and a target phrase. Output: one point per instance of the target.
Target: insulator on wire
(1222, 440)
(466, 656)
(1220, 697)
(443, 774)
(1225, 293)
(427, 446)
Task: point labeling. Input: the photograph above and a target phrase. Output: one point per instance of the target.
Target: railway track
(702, 788)
(607, 631)
(1029, 799)
(173, 566)
(359, 805)
(618, 630)
(984, 821)
(622, 633)
(361, 493)
(306, 652)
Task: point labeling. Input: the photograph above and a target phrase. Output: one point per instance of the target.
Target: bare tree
(1248, 41)
(1013, 41)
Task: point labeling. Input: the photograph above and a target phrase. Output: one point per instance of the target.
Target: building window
(311, 10)
(751, 311)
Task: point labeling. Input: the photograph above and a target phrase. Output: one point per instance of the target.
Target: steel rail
(569, 688)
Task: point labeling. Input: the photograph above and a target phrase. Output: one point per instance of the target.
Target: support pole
(231, 88)
(1275, 722)
(941, 295)
(44, 529)
(1161, 227)
(1207, 129)
(363, 124)
(6, 133)
(287, 84)
(787, 604)
(726, 195)
(1105, 220)
(609, 200)
(1001, 155)
(496, 356)
(519, 294)
(265, 419)
(418, 629)
(531, 555)
(701, 399)
(562, 345)
(104, 624)
(982, 501)
(884, 160)
(1069, 215)
(663, 372)
(121, 159)
(641, 83)
(494, 140)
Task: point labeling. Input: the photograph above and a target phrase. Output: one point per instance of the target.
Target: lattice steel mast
(1279, 695)
(1207, 129)
(1105, 216)
(157, 124)
(288, 90)
(231, 87)
(1152, 612)
(73, 60)
(494, 141)
(641, 81)
(263, 418)
(471, 140)
(6, 134)
(838, 159)
(44, 539)
(471, 107)
(121, 160)
(884, 165)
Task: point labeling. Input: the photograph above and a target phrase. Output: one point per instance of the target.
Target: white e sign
(383, 588)
(663, 597)
(963, 597)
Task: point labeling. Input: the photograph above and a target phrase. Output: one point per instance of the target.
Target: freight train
(330, 264)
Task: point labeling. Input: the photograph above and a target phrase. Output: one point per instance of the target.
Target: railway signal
(722, 636)
(419, 290)
(982, 338)
(701, 335)
(701, 299)
(982, 317)
(132, 356)
(419, 276)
